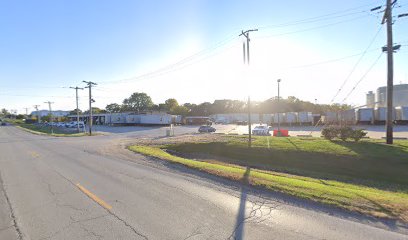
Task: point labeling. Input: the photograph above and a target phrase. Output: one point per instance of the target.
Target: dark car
(207, 129)
(3, 124)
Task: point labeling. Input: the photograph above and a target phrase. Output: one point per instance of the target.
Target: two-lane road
(75, 188)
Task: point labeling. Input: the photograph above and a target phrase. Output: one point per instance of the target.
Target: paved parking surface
(375, 132)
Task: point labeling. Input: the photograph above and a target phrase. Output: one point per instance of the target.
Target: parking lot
(373, 131)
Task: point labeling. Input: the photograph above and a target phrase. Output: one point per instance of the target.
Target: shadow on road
(238, 232)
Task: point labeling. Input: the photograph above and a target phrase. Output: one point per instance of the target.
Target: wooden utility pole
(390, 71)
(90, 84)
(51, 121)
(246, 35)
(38, 113)
(77, 109)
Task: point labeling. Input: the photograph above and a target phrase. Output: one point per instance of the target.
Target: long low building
(130, 118)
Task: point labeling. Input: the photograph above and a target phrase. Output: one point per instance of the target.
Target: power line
(357, 63)
(312, 28)
(362, 78)
(314, 19)
(334, 60)
(181, 63)
(22, 95)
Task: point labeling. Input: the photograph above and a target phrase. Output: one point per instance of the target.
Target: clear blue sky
(46, 46)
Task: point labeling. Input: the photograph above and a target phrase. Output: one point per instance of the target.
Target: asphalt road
(91, 188)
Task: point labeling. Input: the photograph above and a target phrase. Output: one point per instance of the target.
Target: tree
(171, 103)
(180, 110)
(74, 112)
(138, 102)
(4, 112)
(95, 110)
(113, 107)
(20, 116)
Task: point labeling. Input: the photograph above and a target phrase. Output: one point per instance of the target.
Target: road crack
(12, 214)
(134, 230)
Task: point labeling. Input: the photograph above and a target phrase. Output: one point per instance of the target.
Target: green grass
(368, 162)
(367, 200)
(47, 131)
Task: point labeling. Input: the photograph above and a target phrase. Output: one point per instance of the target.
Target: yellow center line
(35, 155)
(94, 197)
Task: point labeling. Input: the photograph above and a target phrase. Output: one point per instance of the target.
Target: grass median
(46, 130)
(389, 201)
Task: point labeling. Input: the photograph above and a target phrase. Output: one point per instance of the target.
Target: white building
(56, 113)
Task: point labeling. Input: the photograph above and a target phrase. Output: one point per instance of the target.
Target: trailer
(118, 118)
(156, 119)
(133, 118)
(177, 119)
(291, 118)
(279, 118)
(317, 118)
(330, 118)
(347, 117)
(401, 114)
(305, 118)
(380, 115)
(365, 116)
(267, 118)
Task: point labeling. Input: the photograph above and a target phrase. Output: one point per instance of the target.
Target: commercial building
(55, 113)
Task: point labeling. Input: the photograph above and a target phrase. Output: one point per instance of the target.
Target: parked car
(261, 130)
(207, 129)
(60, 124)
(241, 122)
(74, 124)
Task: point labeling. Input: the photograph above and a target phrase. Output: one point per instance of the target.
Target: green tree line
(139, 102)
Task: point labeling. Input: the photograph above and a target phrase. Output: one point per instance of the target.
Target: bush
(329, 133)
(358, 134)
(343, 133)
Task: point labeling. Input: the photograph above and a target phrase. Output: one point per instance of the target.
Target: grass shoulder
(254, 168)
(47, 131)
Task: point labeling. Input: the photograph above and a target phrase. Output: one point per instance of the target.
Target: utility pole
(77, 109)
(278, 106)
(390, 49)
(38, 113)
(90, 84)
(390, 71)
(50, 110)
(26, 109)
(246, 35)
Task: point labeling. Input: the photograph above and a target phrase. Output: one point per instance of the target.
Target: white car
(261, 130)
